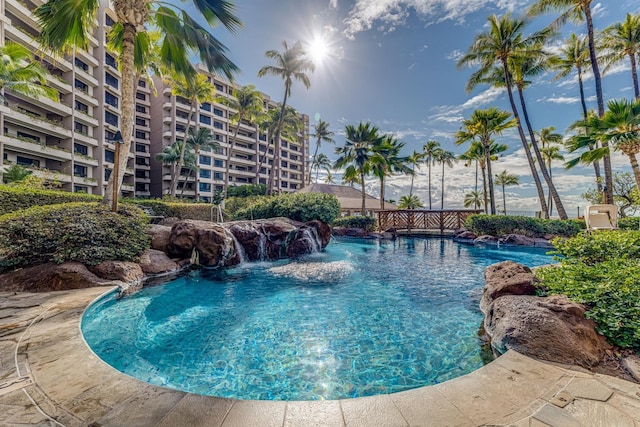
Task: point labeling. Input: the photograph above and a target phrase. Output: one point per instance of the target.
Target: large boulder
(247, 234)
(160, 236)
(323, 232)
(506, 278)
(516, 240)
(215, 247)
(277, 231)
(182, 239)
(157, 262)
(551, 328)
(118, 270)
(50, 277)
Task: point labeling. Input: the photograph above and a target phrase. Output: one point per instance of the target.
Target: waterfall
(310, 235)
(262, 247)
(239, 249)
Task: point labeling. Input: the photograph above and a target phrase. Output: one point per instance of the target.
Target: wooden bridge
(413, 221)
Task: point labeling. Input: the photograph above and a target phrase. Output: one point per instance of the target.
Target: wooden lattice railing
(448, 219)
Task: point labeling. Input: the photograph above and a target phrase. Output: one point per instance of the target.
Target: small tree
(503, 179)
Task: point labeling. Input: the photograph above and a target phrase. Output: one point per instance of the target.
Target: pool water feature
(359, 319)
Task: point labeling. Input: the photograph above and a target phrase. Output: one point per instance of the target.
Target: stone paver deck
(49, 377)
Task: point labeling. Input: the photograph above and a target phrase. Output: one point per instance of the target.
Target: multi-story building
(71, 140)
(251, 156)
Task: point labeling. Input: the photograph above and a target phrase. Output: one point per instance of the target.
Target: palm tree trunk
(231, 143)
(263, 157)
(382, 193)
(543, 167)
(596, 163)
(315, 156)
(492, 199)
(412, 176)
(186, 181)
(504, 200)
(523, 139)
(364, 211)
(174, 184)
(550, 198)
(429, 184)
(484, 187)
(276, 154)
(128, 103)
(634, 75)
(635, 168)
(442, 189)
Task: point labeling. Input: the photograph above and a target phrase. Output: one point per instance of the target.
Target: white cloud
(564, 99)
(333, 3)
(453, 113)
(455, 55)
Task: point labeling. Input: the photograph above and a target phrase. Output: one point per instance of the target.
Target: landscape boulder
(506, 278)
(516, 240)
(118, 270)
(50, 277)
(160, 236)
(154, 262)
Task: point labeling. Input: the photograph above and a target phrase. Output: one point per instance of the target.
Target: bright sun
(318, 49)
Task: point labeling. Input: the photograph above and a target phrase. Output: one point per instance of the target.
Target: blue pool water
(361, 318)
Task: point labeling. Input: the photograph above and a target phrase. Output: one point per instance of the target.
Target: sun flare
(318, 49)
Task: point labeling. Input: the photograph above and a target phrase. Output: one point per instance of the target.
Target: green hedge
(199, 211)
(297, 206)
(592, 248)
(85, 232)
(365, 222)
(15, 198)
(630, 223)
(497, 225)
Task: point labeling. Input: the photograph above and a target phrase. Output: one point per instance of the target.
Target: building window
(109, 136)
(206, 106)
(142, 161)
(141, 96)
(284, 154)
(205, 160)
(284, 164)
(284, 184)
(141, 109)
(142, 187)
(205, 186)
(110, 99)
(141, 122)
(111, 118)
(141, 148)
(81, 128)
(79, 170)
(28, 136)
(142, 83)
(81, 64)
(218, 163)
(111, 80)
(80, 149)
(142, 174)
(204, 173)
(219, 137)
(109, 156)
(141, 135)
(217, 175)
(108, 21)
(81, 86)
(84, 108)
(107, 174)
(25, 161)
(219, 87)
(110, 60)
(80, 189)
(205, 119)
(218, 112)
(218, 125)
(180, 128)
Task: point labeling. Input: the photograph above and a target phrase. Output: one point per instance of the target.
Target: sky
(393, 63)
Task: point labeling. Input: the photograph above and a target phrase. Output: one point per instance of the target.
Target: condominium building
(251, 157)
(71, 140)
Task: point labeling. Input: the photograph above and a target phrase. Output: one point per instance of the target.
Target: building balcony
(85, 180)
(21, 13)
(52, 175)
(84, 160)
(37, 123)
(14, 34)
(85, 139)
(58, 83)
(24, 145)
(87, 57)
(86, 119)
(86, 77)
(86, 98)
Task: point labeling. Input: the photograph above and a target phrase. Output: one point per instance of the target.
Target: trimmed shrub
(367, 223)
(595, 247)
(198, 211)
(247, 190)
(297, 206)
(85, 232)
(496, 225)
(630, 223)
(14, 198)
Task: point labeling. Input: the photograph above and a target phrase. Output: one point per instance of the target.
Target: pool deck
(49, 377)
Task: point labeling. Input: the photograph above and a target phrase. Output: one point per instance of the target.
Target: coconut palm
(248, 104)
(361, 145)
(322, 162)
(20, 73)
(430, 149)
(169, 156)
(474, 199)
(622, 40)
(322, 134)
(414, 159)
(292, 63)
(409, 202)
(445, 158)
(550, 151)
(386, 161)
(481, 127)
(579, 11)
(329, 178)
(350, 176)
(476, 154)
(203, 139)
(69, 24)
(503, 179)
(15, 173)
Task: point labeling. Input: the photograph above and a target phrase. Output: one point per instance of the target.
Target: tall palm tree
(322, 162)
(415, 158)
(169, 156)
(481, 127)
(329, 178)
(503, 45)
(322, 134)
(350, 176)
(69, 24)
(248, 104)
(550, 151)
(575, 54)
(196, 90)
(474, 199)
(409, 202)
(476, 154)
(203, 139)
(445, 158)
(361, 145)
(387, 161)
(292, 63)
(503, 179)
(430, 149)
(578, 11)
(622, 40)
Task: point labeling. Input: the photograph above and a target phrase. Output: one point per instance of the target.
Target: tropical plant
(20, 73)
(550, 151)
(414, 159)
(291, 126)
(476, 154)
(503, 179)
(361, 145)
(350, 176)
(474, 199)
(409, 202)
(578, 11)
(69, 24)
(445, 158)
(169, 156)
(430, 149)
(481, 127)
(15, 174)
(248, 104)
(386, 161)
(329, 178)
(622, 40)
(203, 139)
(292, 63)
(625, 195)
(322, 134)
(322, 162)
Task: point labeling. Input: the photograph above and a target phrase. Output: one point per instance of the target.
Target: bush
(198, 211)
(595, 247)
(630, 223)
(14, 198)
(85, 232)
(496, 225)
(234, 204)
(246, 190)
(297, 206)
(367, 223)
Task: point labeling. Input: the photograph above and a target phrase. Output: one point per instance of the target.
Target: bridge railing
(413, 219)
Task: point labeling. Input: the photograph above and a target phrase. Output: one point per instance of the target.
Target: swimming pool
(361, 318)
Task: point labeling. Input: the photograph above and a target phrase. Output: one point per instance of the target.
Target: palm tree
(322, 134)
(248, 104)
(430, 149)
(201, 140)
(350, 176)
(475, 154)
(196, 90)
(386, 161)
(504, 45)
(169, 156)
(360, 147)
(578, 11)
(20, 73)
(445, 158)
(68, 24)
(620, 40)
(474, 199)
(329, 178)
(322, 162)
(15, 173)
(292, 63)
(503, 179)
(409, 202)
(414, 159)
(575, 54)
(549, 151)
(481, 127)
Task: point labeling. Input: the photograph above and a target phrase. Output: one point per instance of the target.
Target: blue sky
(393, 64)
